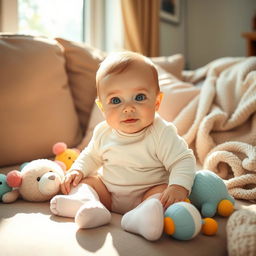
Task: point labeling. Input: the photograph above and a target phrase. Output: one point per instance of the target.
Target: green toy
(4, 187)
(210, 195)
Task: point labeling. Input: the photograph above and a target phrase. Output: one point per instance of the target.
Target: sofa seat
(29, 229)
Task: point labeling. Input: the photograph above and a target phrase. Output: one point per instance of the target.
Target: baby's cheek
(112, 117)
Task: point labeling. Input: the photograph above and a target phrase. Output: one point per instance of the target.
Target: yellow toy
(64, 154)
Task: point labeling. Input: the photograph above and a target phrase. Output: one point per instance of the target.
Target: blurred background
(201, 30)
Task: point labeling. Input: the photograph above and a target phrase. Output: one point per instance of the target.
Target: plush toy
(64, 154)
(183, 221)
(5, 189)
(210, 195)
(38, 181)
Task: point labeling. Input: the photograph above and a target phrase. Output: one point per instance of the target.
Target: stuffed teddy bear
(5, 189)
(183, 221)
(64, 154)
(38, 181)
(210, 195)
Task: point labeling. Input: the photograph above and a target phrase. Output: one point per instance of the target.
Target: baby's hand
(173, 194)
(73, 177)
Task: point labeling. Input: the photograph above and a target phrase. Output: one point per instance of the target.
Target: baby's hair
(118, 62)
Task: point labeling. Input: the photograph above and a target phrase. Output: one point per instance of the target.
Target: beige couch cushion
(173, 64)
(177, 94)
(82, 62)
(36, 106)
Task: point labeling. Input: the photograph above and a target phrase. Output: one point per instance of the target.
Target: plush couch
(47, 92)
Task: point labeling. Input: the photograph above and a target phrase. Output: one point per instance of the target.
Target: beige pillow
(36, 106)
(177, 94)
(95, 118)
(82, 62)
(173, 64)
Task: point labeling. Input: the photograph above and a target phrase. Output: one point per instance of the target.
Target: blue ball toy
(4, 187)
(183, 221)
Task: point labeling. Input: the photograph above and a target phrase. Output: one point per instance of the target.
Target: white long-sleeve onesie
(131, 162)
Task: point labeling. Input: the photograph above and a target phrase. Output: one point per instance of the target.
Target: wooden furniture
(251, 43)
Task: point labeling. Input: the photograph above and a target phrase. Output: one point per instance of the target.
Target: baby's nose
(129, 108)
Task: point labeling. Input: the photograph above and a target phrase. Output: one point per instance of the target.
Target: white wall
(208, 30)
(172, 35)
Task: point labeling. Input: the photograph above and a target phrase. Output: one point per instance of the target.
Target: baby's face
(129, 100)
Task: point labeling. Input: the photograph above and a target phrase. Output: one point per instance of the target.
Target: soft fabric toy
(38, 181)
(210, 195)
(183, 221)
(64, 154)
(5, 189)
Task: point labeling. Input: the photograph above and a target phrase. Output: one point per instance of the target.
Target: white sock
(68, 205)
(147, 219)
(92, 214)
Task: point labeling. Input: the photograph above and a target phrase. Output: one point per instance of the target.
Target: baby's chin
(132, 130)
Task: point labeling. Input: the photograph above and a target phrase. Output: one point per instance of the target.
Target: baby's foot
(65, 205)
(146, 219)
(68, 205)
(92, 214)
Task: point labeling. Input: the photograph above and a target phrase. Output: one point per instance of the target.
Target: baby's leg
(147, 218)
(84, 201)
(95, 213)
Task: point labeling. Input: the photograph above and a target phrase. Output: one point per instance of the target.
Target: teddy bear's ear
(23, 165)
(61, 164)
(14, 179)
(59, 148)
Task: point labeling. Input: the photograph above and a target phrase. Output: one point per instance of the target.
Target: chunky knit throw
(241, 232)
(220, 122)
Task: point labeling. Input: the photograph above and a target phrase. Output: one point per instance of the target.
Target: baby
(146, 166)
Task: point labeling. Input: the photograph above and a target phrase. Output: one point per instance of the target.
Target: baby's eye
(115, 100)
(140, 97)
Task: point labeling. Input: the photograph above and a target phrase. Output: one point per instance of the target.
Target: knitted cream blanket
(220, 122)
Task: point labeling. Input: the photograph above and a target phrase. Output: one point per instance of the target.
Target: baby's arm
(87, 162)
(179, 160)
(172, 194)
(72, 177)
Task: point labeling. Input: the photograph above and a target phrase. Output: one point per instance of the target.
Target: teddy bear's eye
(1, 182)
(38, 178)
(69, 157)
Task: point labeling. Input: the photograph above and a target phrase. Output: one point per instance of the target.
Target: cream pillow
(173, 64)
(95, 118)
(82, 62)
(177, 94)
(36, 106)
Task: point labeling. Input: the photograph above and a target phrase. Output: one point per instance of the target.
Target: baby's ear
(99, 104)
(159, 100)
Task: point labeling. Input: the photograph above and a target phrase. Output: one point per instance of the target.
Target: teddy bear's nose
(52, 177)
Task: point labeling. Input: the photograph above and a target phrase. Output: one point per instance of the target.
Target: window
(90, 21)
(58, 18)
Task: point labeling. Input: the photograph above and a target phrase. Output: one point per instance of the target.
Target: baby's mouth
(130, 120)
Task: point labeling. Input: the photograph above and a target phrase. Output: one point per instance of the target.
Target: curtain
(141, 26)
